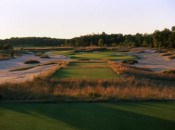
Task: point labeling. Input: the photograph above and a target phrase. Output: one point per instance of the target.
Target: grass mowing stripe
(88, 116)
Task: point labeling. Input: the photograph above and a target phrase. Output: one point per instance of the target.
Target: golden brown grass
(167, 54)
(4, 57)
(49, 73)
(46, 90)
(171, 57)
(133, 84)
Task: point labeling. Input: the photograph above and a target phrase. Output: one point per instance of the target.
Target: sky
(72, 18)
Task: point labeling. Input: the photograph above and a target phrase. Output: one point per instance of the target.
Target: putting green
(104, 55)
(88, 64)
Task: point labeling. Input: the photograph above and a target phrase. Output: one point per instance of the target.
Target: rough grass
(4, 57)
(85, 73)
(86, 116)
(41, 90)
(133, 84)
(170, 72)
(167, 54)
(171, 57)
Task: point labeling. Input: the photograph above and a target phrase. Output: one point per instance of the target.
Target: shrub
(31, 62)
(94, 95)
(167, 54)
(169, 72)
(172, 57)
(160, 51)
(130, 61)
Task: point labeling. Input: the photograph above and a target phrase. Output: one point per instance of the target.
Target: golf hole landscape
(87, 88)
(87, 65)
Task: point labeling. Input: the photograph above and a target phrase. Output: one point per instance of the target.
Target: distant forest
(158, 39)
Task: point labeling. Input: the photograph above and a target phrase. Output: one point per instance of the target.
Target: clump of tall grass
(49, 73)
(84, 90)
(171, 57)
(140, 72)
(167, 54)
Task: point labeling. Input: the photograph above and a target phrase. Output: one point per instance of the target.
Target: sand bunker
(25, 75)
(154, 61)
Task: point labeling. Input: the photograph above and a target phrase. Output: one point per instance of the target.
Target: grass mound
(131, 62)
(169, 72)
(160, 51)
(4, 56)
(32, 62)
(22, 68)
(167, 54)
(171, 57)
(44, 56)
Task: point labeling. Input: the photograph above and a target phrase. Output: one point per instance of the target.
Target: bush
(169, 72)
(167, 54)
(172, 57)
(94, 95)
(31, 62)
(130, 62)
(6, 47)
(160, 51)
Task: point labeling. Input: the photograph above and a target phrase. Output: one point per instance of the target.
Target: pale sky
(71, 18)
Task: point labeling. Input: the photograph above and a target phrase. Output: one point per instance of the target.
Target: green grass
(85, 73)
(104, 55)
(67, 52)
(88, 116)
(88, 64)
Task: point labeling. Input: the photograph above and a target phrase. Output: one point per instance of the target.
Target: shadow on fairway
(91, 116)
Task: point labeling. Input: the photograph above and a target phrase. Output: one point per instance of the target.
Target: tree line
(158, 39)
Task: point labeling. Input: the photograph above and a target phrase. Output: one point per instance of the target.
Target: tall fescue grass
(129, 86)
(141, 72)
(46, 90)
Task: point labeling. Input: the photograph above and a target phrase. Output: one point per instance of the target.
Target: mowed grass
(88, 116)
(68, 52)
(88, 64)
(85, 73)
(104, 55)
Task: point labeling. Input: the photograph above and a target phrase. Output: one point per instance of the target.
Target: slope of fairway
(88, 64)
(90, 116)
(85, 73)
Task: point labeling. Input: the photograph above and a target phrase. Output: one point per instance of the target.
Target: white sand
(151, 60)
(26, 75)
(154, 61)
(22, 76)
